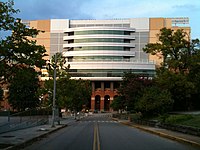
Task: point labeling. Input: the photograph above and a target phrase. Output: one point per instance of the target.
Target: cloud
(109, 9)
(50, 9)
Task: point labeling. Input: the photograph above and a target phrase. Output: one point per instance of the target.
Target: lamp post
(54, 88)
(54, 93)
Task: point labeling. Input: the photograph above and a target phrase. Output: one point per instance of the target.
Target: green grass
(185, 120)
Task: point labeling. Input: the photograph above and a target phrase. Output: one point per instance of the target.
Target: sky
(110, 9)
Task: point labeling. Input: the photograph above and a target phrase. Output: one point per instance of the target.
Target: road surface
(100, 132)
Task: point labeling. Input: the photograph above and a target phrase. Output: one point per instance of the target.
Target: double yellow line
(96, 141)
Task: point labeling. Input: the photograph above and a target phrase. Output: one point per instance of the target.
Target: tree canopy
(176, 84)
(174, 47)
(179, 73)
(1, 94)
(23, 89)
(70, 93)
(19, 56)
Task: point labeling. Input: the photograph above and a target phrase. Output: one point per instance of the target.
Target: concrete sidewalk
(180, 137)
(18, 139)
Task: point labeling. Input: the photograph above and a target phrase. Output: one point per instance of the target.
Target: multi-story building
(102, 50)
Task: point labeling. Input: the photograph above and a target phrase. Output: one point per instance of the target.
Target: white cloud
(108, 9)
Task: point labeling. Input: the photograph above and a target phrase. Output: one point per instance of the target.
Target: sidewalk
(180, 137)
(16, 139)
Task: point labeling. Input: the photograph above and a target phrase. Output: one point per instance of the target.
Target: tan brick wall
(44, 37)
(155, 24)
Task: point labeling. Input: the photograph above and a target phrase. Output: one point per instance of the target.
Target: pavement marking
(100, 121)
(96, 140)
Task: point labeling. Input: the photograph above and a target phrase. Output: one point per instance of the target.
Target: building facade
(102, 50)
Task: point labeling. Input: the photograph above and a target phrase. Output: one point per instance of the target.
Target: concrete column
(102, 104)
(92, 103)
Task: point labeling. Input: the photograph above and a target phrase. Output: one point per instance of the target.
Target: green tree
(179, 86)
(174, 46)
(179, 73)
(130, 89)
(154, 101)
(70, 94)
(118, 103)
(17, 49)
(1, 94)
(78, 96)
(18, 53)
(23, 89)
(6, 15)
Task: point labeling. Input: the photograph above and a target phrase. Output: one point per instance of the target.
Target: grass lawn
(185, 120)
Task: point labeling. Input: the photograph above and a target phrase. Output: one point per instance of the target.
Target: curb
(179, 139)
(25, 143)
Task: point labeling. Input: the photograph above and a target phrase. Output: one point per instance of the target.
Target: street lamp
(54, 92)
(54, 88)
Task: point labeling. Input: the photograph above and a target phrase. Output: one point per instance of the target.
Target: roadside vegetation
(182, 119)
(175, 86)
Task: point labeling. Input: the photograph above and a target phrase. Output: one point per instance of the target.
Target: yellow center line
(96, 140)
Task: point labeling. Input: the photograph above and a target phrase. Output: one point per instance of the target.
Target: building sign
(181, 20)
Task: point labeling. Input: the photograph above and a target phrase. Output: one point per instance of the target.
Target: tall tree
(23, 89)
(174, 46)
(180, 88)
(179, 73)
(1, 94)
(18, 52)
(19, 48)
(6, 15)
(70, 94)
(154, 101)
(73, 94)
(130, 89)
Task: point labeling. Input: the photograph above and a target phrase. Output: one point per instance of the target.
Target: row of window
(108, 72)
(98, 58)
(115, 32)
(106, 84)
(100, 40)
(114, 48)
(99, 25)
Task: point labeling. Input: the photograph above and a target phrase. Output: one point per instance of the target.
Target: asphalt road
(99, 132)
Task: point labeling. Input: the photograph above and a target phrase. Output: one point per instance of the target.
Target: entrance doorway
(97, 103)
(107, 103)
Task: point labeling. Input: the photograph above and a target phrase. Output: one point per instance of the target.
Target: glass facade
(96, 58)
(115, 48)
(108, 73)
(101, 40)
(109, 46)
(116, 32)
